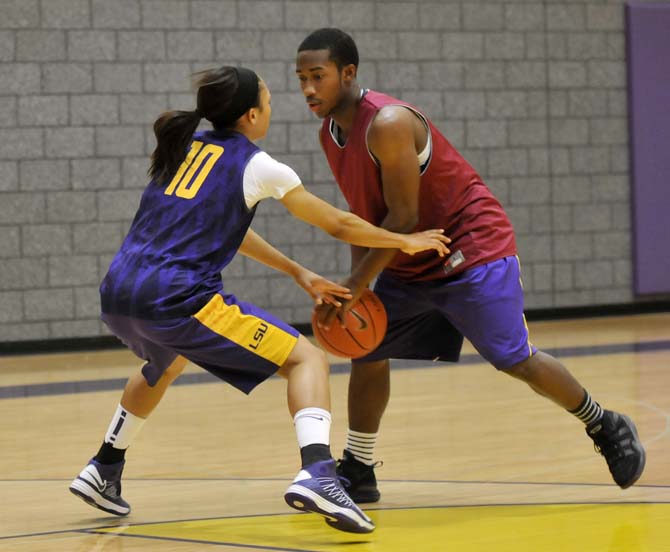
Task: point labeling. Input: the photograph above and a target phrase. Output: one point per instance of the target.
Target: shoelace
(113, 490)
(377, 464)
(611, 450)
(346, 483)
(335, 491)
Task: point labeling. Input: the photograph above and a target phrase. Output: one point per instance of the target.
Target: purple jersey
(184, 234)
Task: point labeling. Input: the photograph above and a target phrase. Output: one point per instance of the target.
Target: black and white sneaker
(358, 479)
(100, 486)
(615, 437)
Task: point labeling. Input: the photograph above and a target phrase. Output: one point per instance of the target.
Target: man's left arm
(391, 140)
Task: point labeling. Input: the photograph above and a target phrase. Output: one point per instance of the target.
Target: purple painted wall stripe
(648, 41)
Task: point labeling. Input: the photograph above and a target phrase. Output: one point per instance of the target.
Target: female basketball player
(163, 295)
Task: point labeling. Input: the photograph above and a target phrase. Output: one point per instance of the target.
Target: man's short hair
(341, 46)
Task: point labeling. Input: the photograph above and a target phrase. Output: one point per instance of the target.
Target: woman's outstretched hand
(428, 239)
(321, 290)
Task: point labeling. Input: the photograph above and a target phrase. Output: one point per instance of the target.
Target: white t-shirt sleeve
(265, 177)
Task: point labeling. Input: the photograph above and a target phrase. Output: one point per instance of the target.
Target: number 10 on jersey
(193, 171)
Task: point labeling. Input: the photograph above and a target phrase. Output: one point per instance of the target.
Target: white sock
(123, 428)
(362, 446)
(312, 425)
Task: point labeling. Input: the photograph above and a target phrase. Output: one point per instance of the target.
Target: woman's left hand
(322, 290)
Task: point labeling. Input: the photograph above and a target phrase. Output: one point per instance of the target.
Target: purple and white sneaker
(100, 486)
(317, 489)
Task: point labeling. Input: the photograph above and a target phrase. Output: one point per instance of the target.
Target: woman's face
(263, 111)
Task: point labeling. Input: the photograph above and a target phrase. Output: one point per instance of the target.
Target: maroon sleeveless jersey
(452, 196)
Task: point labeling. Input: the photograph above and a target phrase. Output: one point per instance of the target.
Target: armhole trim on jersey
(332, 125)
(331, 130)
(244, 199)
(423, 167)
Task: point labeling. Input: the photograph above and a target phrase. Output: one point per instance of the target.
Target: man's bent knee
(524, 370)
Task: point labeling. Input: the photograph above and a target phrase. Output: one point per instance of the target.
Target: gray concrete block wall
(531, 92)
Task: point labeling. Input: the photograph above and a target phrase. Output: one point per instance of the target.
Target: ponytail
(224, 95)
(174, 131)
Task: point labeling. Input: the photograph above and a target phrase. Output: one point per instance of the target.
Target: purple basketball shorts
(427, 320)
(234, 340)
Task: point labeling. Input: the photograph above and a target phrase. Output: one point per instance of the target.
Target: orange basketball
(365, 328)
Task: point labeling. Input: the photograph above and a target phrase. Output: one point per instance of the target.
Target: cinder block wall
(532, 92)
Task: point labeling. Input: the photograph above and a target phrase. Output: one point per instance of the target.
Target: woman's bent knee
(174, 370)
(304, 353)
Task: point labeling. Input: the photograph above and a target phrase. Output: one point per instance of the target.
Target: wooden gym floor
(473, 460)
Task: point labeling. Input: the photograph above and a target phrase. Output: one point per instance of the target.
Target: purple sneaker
(317, 489)
(100, 486)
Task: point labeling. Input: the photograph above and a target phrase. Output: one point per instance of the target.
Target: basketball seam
(371, 317)
(356, 340)
(382, 310)
(327, 343)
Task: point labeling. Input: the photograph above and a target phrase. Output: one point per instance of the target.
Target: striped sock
(589, 411)
(362, 446)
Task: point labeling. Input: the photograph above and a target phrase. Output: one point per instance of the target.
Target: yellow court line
(626, 527)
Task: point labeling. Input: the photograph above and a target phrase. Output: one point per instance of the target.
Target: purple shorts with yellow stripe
(427, 320)
(236, 341)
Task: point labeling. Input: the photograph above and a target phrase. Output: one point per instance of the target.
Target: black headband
(244, 98)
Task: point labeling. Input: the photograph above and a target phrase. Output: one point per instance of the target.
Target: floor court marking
(338, 367)
(659, 436)
(410, 481)
(657, 410)
(195, 541)
(639, 522)
(124, 525)
(665, 432)
(282, 528)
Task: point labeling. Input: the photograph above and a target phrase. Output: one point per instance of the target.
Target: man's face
(320, 80)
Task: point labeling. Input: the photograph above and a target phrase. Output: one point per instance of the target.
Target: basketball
(365, 328)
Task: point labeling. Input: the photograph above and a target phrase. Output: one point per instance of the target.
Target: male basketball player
(396, 170)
